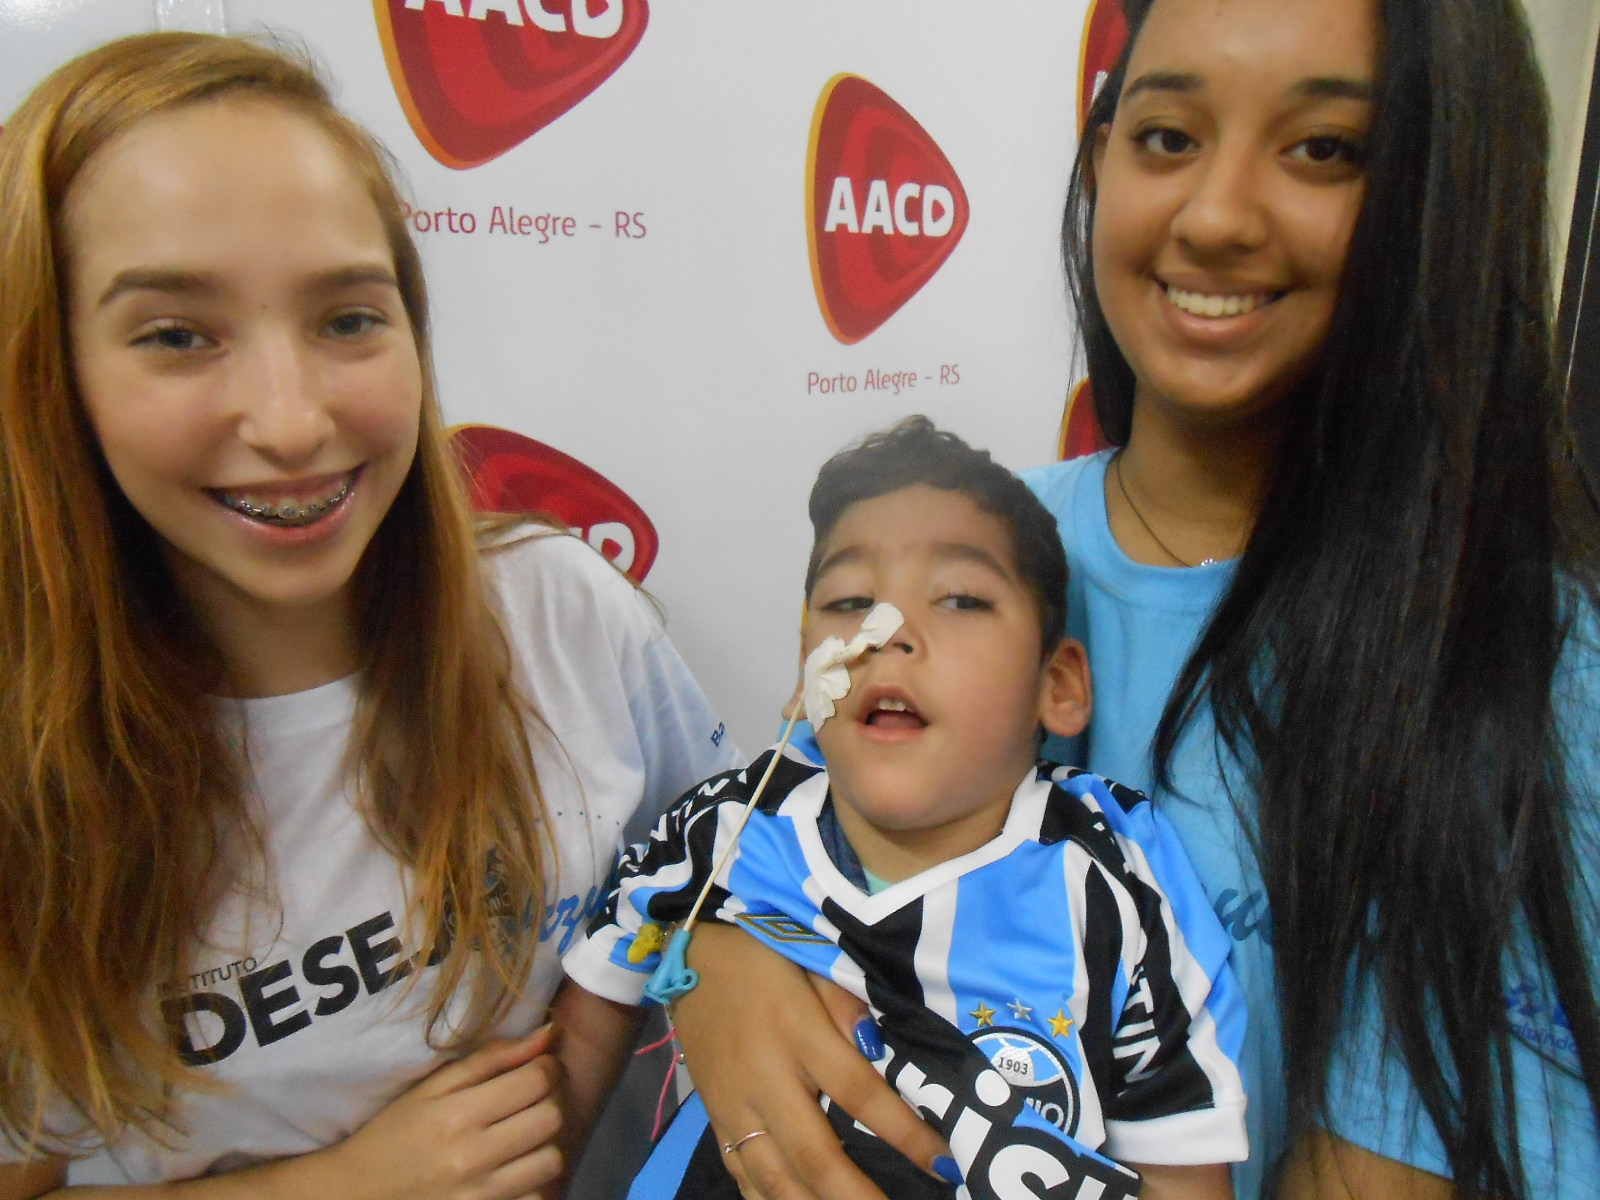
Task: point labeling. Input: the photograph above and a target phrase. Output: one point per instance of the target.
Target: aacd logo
(477, 77)
(1105, 33)
(885, 208)
(511, 473)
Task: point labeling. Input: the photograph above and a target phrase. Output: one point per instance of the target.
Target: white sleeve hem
(1211, 1135)
(587, 965)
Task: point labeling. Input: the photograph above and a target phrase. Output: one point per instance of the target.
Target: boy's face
(940, 724)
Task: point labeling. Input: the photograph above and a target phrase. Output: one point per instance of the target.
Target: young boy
(1050, 982)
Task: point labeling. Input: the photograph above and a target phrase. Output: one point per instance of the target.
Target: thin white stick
(744, 818)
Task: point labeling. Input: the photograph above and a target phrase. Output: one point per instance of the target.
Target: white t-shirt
(291, 1005)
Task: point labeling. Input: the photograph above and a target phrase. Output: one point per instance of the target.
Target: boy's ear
(1065, 694)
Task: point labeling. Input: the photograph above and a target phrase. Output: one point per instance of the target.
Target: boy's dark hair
(916, 451)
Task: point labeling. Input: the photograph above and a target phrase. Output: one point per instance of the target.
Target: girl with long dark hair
(1338, 580)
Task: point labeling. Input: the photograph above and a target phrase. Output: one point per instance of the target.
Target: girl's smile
(291, 503)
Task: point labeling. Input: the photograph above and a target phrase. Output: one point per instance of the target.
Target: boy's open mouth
(892, 712)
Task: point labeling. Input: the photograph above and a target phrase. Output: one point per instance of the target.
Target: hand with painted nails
(810, 1037)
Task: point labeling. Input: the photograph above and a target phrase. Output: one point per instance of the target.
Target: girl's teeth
(893, 705)
(1202, 305)
(288, 512)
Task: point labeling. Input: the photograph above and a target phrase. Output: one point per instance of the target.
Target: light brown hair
(120, 803)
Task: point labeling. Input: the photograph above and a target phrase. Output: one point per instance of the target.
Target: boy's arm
(594, 1038)
(656, 885)
(1209, 1182)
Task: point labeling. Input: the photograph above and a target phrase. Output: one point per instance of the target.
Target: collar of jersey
(804, 804)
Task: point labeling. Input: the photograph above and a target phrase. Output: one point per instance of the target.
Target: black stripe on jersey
(1129, 798)
(1102, 959)
(1116, 1046)
(1158, 1072)
(691, 822)
(879, 950)
(786, 776)
(1068, 817)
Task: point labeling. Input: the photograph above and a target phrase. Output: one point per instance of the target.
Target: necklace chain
(1155, 537)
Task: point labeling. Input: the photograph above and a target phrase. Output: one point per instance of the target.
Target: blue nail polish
(948, 1169)
(869, 1040)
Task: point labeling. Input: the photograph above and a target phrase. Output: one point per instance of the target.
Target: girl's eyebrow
(1314, 87)
(147, 279)
(1164, 81)
(355, 275)
(198, 283)
(1335, 87)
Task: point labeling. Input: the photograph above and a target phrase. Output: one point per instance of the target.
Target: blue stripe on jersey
(1013, 923)
(780, 870)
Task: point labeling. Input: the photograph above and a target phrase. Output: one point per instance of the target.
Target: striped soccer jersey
(1056, 996)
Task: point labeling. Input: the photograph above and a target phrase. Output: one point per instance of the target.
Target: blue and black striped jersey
(1055, 999)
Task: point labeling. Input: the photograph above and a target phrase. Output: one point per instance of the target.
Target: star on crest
(1060, 1024)
(1019, 1010)
(983, 1015)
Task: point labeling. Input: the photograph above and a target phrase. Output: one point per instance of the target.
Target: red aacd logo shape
(511, 473)
(1105, 33)
(885, 207)
(477, 77)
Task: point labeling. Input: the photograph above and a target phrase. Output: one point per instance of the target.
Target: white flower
(827, 672)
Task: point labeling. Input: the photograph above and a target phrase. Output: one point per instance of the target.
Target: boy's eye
(847, 604)
(965, 602)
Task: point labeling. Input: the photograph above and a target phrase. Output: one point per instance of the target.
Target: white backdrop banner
(683, 250)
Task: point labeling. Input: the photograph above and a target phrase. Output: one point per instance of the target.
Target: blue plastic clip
(674, 976)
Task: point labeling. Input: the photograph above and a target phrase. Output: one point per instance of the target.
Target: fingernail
(869, 1039)
(949, 1170)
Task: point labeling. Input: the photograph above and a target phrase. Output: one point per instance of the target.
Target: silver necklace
(1155, 537)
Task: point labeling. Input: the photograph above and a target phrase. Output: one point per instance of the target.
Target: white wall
(1564, 33)
(682, 366)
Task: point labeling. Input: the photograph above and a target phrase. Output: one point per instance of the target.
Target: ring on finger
(730, 1147)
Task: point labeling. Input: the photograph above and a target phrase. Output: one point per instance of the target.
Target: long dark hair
(1383, 661)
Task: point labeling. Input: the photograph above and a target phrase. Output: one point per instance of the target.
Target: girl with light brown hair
(304, 779)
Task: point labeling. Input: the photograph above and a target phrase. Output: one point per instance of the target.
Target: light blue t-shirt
(1140, 623)
(1374, 1102)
